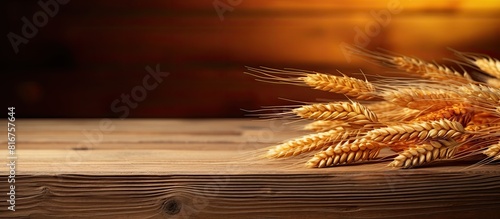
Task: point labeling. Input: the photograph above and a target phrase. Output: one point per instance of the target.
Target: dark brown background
(92, 51)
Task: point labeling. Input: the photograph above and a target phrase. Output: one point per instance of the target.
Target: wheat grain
(485, 118)
(492, 82)
(345, 153)
(425, 153)
(429, 70)
(401, 115)
(382, 106)
(493, 151)
(475, 127)
(429, 99)
(307, 143)
(399, 146)
(481, 93)
(415, 66)
(458, 112)
(351, 112)
(478, 136)
(322, 126)
(387, 111)
(342, 85)
(472, 130)
(488, 65)
(417, 131)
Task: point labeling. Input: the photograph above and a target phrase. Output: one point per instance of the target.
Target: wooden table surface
(164, 168)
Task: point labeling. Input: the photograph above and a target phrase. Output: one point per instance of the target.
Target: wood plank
(148, 131)
(172, 179)
(256, 196)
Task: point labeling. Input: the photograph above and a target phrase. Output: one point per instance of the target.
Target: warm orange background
(92, 51)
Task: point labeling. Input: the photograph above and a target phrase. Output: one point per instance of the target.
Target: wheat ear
(493, 151)
(485, 118)
(345, 153)
(403, 114)
(481, 93)
(478, 136)
(342, 85)
(485, 63)
(322, 126)
(351, 112)
(493, 82)
(415, 66)
(458, 112)
(307, 143)
(488, 65)
(338, 84)
(429, 70)
(429, 99)
(417, 131)
(425, 153)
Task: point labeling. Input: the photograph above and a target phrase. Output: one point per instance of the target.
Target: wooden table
(157, 168)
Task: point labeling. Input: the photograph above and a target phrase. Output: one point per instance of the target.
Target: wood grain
(201, 169)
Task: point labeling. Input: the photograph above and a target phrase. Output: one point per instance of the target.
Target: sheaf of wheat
(434, 118)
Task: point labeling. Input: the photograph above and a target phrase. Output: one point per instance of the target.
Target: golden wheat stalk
(338, 84)
(493, 82)
(425, 153)
(481, 94)
(478, 136)
(486, 64)
(429, 99)
(307, 143)
(401, 115)
(429, 70)
(486, 118)
(461, 113)
(416, 66)
(345, 153)
(417, 131)
(382, 106)
(423, 120)
(342, 85)
(493, 151)
(489, 65)
(351, 112)
(322, 126)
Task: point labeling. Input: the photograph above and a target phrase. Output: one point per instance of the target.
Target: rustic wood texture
(201, 169)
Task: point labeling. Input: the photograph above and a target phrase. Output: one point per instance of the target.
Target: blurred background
(79, 58)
